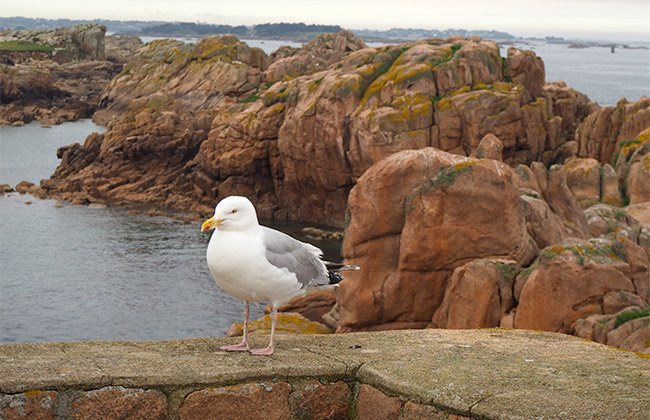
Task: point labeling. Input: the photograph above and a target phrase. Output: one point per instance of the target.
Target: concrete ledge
(486, 374)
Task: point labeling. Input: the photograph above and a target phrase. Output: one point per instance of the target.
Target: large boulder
(640, 212)
(592, 182)
(543, 225)
(570, 282)
(414, 218)
(479, 295)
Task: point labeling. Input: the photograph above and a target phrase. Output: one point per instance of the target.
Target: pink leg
(243, 346)
(267, 351)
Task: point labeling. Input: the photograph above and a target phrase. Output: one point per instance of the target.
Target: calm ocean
(78, 273)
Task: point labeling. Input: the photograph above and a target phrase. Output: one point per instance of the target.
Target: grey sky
(606, 19)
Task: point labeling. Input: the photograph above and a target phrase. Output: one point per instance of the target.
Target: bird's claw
(236, 347)
(266, 351)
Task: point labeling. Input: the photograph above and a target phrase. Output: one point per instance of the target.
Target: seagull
(255, 263)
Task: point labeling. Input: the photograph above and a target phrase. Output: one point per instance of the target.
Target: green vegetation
(445, 177)
(630, 315)
(624, 147)
(526, 271)
(24, 46)
(454, 49)
(193, 29)
(594, 250)
(603, 322)
(523, 173)
(507, 271)
(292, 29)
(254, 97)
(530, 193)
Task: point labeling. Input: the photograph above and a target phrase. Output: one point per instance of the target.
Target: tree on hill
(290, 29)
(190, 28)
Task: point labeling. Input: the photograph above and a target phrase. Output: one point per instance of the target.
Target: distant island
(286, 31)
(297, 32)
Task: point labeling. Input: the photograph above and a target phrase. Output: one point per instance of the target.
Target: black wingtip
(335, 278)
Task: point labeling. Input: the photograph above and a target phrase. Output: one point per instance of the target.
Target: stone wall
(309, 399)
(424, 374)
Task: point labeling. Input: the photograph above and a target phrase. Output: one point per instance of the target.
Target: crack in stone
(471, 407)
(348, 369)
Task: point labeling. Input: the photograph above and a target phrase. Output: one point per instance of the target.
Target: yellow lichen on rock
(288, 323)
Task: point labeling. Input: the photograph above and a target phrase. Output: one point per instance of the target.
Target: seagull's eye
(233, 211)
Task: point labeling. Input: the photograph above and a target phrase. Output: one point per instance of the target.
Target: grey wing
(300, 258)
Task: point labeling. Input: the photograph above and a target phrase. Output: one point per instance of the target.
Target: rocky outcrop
(159, 112)
(296, 137)
(85, 41)
(171, 76)
(603, 133)
(525, 68)
(592, 182)
(62, 83)
(453, 242)
(484, 285)
(569, 109)
(315, 56)
(570, 281)
(632, 164)
(121, 49)
(605, 219)
(561, 200)
(415, 218)
(52, 93)
(628, 328)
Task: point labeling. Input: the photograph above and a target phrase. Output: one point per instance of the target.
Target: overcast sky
(624, 20)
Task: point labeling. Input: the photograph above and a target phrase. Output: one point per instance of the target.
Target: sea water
(82, 273)
(605, 77)
(78, 273)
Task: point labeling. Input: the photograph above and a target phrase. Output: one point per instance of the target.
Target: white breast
(239, 266)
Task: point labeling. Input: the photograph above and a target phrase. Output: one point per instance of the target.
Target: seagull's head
(232, 213)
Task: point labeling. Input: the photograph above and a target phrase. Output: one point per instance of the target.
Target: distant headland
(286, 31)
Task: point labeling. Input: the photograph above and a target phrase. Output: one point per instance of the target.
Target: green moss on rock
(596, 250)
(445, 177)
(21, 45)
(630, 315)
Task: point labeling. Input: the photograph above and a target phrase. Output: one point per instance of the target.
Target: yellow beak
(211, 223)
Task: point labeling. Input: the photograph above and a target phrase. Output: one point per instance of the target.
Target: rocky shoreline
(473, 192)
(57, 75)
